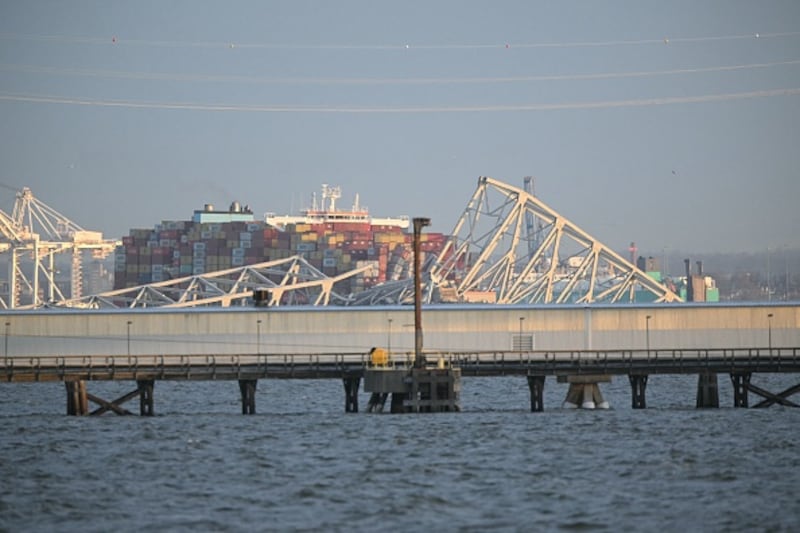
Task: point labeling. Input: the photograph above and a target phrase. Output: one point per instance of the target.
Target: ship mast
(332, 194)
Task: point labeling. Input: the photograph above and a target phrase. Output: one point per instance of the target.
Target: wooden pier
(76, 372)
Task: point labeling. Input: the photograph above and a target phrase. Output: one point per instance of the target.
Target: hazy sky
(673, 124)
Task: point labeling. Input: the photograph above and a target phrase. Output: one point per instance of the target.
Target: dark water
(301, 463)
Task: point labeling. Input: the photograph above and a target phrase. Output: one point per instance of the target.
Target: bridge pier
(536, 385)
(741, 381)
(351, 384)
(638, 386)
(707, 390)
(247, 388)
(584, 391)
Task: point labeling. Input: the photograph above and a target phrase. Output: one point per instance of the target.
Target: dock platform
(247, 369)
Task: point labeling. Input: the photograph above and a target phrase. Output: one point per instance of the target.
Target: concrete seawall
(446, 327)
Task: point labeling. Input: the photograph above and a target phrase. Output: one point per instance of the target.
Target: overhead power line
(118, 40)
(195, 78)
(275, 108)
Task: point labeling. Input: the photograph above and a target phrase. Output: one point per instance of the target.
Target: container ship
(333, 240)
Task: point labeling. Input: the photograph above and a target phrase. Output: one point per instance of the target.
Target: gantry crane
(32, 236)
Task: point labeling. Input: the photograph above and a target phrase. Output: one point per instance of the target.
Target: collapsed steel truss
(489, 251)
(290, 281)
(508, 247)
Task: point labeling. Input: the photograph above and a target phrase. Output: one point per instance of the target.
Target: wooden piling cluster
(78, 398)
(638, 385)
(351, 383)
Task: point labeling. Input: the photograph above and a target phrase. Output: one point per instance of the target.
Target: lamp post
(258, 336)
(521, 320)
(389, 338)
(5, 350)
(647, 333)
(769, 289)
(129, 338)
(786, 280)
(769, 332)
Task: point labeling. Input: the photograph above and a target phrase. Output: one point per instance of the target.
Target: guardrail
(631, 361)
(338, 364)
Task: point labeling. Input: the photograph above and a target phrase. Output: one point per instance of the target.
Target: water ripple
(202, 466)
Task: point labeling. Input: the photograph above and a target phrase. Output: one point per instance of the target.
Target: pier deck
(338, 365)
(582, 369)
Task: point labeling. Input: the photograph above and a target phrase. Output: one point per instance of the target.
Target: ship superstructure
(326, 212)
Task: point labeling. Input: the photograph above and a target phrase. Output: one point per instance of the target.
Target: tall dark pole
(258, 335)
(521, 319)
(389, 339)
(129, 338)
(769, 290)
(419, 358)
(647, 333)
(5, 351)
(786, 281)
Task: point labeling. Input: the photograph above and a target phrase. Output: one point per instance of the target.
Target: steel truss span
(290, 281)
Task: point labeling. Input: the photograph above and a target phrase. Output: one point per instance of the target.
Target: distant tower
(632, 250)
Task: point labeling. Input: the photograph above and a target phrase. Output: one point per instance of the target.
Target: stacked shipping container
(176, 249)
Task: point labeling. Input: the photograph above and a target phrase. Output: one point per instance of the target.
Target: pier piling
(77, 400)
(247, 388)
(638, 386)
(145, 387)
(351, 384)
(707, 391)
(536, 385)
(741, 381)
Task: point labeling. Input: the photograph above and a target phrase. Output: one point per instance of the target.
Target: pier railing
(339, 364)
